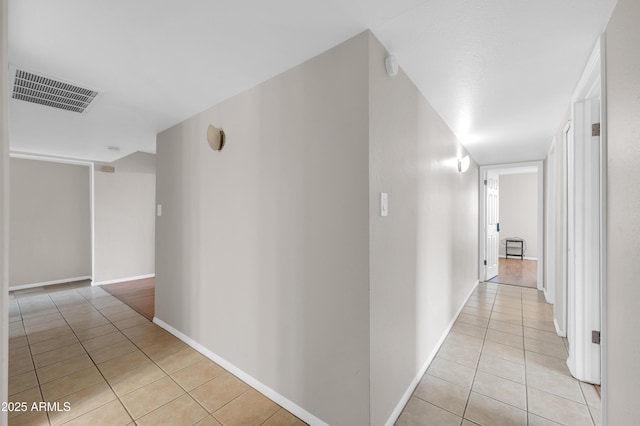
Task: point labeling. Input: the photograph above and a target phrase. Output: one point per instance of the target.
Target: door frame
(492, 229)
(580, 319)
(524, 167)
(550, 228)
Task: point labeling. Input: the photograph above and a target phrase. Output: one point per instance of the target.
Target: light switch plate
(384, 204)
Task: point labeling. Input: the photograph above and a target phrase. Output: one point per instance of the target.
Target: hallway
(502, 364)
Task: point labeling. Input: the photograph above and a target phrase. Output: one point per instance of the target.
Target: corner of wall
(423, 256)
(273, 231)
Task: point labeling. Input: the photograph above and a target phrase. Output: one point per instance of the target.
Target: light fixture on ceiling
(216, 138)
(391, 65)
(113, 148)
(464, 163)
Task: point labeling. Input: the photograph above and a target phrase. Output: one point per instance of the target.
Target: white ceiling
(499, 72)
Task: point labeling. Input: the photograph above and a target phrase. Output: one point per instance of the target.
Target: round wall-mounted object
(391, 64)
(216, 138)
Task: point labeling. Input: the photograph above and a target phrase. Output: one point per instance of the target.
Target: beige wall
(50, 222)
(125, 219)
(621, 335)
(423, 259)
(262, 251)
(519, 210)
(4, 210)
(272, 253)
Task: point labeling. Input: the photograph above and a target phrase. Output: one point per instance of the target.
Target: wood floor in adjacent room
(519, 272)
(139, 295)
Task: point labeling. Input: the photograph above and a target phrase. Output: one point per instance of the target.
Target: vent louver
(49, 92)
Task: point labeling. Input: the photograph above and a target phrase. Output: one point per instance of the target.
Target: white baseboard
(546, 298)
(247, 378)
(414, 383)
(501, 256)
(121, 280)
(559, 332)
(46, 283)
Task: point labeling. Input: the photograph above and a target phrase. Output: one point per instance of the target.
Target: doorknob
(498, 226)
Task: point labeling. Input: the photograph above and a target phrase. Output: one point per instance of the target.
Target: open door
(492, 225)
(586, 222)
(583, 331)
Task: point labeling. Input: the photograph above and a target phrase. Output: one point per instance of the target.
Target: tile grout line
(495, 399)
(168, 375)
(35, 371)
(593, 420)
(92, 360)
(524, 357)
(96, 308)
(118, 397)
(464, 412)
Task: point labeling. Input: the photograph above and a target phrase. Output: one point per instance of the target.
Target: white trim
(511, 168)
(524, 258)
(590, 74)
(603, 228)
(395, 414)
(49, 159)
(549, 249)
(92, 219)
(46, 283)
(559, 331)
(121, 280)
(247, 378)
(586, 225)
(567, 135)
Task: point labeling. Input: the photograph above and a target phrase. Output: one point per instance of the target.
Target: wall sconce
(391, 65)
(216, 138)
(464, 163)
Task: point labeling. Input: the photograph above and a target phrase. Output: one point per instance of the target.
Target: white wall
(559, 307)
(424, 254)
(50, 222)
(4, 210)
(621, 336)
(519, 210)
(262, 251)
(124, 204)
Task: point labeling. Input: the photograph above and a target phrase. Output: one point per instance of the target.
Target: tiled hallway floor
(502, 364)
(80, 345)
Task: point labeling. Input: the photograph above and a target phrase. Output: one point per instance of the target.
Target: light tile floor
(78, 344)
(502, 364)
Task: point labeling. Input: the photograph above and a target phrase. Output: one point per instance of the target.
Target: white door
(583, 320)
(492, 226)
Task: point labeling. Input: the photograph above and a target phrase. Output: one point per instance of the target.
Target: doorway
(515, 256)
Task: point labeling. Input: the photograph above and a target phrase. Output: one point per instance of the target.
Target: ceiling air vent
(47, 91)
